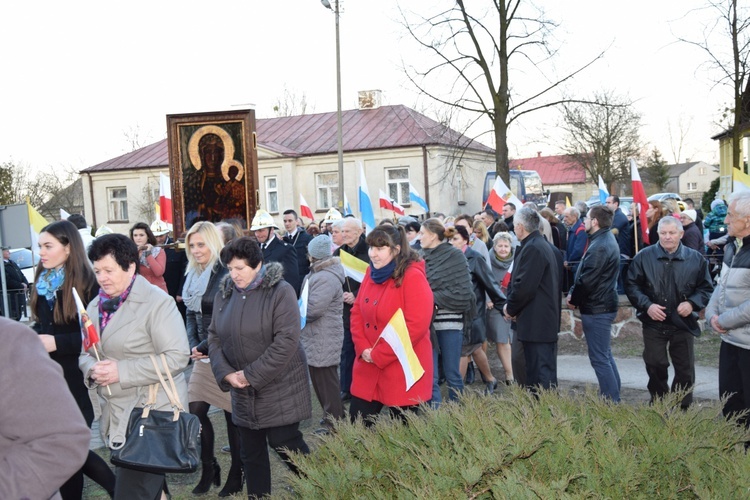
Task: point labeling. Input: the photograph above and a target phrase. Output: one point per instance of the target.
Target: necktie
(263, 247)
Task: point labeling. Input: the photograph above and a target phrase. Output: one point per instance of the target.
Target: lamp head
(326, 4)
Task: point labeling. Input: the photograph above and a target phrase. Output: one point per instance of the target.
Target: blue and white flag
(414, 196)
(603, 193)
(365, 204)
(302, 302)
(347, 206)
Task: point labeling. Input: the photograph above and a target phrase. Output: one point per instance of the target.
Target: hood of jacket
(274, 274)
(332, 265)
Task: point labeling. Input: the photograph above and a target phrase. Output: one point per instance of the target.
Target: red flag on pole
(89, 335)
(386, 203)
(304, 208)
(639, 197)
(500, 195)
(165, 199)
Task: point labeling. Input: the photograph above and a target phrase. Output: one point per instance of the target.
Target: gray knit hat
(320, 247)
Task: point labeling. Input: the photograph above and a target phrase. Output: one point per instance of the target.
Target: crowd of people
(250, 319)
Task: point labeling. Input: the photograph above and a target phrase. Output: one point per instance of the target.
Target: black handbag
(160, 441)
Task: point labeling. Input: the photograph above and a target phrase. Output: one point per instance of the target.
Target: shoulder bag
(161, 441)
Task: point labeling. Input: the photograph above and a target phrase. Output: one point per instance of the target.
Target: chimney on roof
(538, 154)
(369, 99)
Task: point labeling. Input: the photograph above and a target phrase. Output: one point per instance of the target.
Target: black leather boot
(210, 473)
(235, 481)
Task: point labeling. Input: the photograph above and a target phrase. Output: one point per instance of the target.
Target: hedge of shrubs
(515, 446)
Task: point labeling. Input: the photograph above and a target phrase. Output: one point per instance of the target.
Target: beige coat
(148, 322)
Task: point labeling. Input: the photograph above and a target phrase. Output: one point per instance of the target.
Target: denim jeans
(598, 331)
(450, 343)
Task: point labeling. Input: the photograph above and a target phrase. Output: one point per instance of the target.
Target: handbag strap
(172, 395)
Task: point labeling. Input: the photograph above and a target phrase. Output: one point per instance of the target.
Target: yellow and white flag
(740, 180)
(353, 267)
(397, 336)
(36, 223)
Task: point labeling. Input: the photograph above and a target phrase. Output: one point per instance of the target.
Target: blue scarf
(379, 276)
(50, 280)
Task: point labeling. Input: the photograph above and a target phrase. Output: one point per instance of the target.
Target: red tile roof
(386, 127)
(560, 169)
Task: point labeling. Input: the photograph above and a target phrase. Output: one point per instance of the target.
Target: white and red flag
(165, 199)
(639, 197)
(389, 204)
(304, 208)
(500, 195)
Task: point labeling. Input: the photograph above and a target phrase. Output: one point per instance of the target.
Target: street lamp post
(339, 127)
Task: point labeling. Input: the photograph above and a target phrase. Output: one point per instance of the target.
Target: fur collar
(274, 274)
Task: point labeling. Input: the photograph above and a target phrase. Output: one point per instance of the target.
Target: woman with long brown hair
(63, 266)
(654, 213)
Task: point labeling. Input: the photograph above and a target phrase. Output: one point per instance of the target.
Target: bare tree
(135, 137)
(145, 207)
(677, 135)
(472, 55)
(725, 40)
(291, 104)
(603, 137)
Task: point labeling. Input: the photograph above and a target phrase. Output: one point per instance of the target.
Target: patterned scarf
(49, 282)
(109, 305)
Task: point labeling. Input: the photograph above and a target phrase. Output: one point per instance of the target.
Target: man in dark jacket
(576, 243)
(534, 300)
(668, 284)
(274, 249)
(16, 285)
(594, 293)
(620, 225)
(298, 238)
(353, 243)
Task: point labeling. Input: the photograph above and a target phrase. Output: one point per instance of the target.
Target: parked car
(26, 260)
(664, 197)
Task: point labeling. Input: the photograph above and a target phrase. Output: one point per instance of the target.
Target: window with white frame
(118, 203)
(701, 170)
(272, 194)
(397, 184)
(692, 186)
(327, 187)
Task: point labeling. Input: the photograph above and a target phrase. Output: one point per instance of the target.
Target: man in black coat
(534, 300)
(620, 225)
(353, 243)
(274, 249)
(16, 284)
(668, 284)
(298, 238)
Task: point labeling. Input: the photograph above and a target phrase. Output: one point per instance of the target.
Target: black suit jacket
(299, 241)
(285, 254)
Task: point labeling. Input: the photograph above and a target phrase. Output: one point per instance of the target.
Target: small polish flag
(386, 203)
(165, 199)
(304, 208)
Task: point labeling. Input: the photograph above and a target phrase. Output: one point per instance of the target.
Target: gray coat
(731, 298)
(257, 331)
(323, 333)
(148, 322)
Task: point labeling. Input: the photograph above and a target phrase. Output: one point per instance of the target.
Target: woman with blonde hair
(202, 280)
(480, 232)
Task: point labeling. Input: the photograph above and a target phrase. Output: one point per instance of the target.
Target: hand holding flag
(396, 334)
(89, 335)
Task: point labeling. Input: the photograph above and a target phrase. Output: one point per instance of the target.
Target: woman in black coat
(64, 266)
(484, 284)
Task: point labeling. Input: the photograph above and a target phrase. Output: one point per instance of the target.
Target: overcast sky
(79, 76)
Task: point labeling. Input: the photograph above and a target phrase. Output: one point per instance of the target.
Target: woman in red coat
(395, 280)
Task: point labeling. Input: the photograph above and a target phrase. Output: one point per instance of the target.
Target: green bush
(514, 446)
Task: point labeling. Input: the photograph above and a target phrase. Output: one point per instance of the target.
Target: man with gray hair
(668, 283)
(352, 242)
(729, 310)
(577, 240)
(534, 300)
